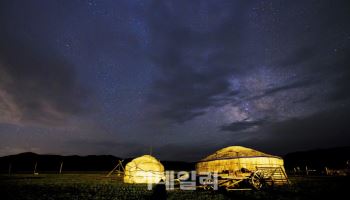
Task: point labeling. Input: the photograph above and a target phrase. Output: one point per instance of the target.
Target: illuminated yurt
(144, 169)
(234, 159)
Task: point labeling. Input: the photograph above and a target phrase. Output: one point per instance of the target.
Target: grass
(96, 186)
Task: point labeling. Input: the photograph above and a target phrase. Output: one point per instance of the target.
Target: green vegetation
(96, 186)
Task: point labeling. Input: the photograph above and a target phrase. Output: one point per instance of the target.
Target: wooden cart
(262, 177)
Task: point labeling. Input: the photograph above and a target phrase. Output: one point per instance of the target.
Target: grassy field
(96, 186)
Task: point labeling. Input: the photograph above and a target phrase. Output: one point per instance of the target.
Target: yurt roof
(145, 158)
(144, 162)
(233, 152)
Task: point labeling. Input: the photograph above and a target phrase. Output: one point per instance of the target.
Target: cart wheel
(256, 180)
(209, 184)
(208, 187)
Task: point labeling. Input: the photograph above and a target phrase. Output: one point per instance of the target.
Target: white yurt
(144, 169)
(235, 158)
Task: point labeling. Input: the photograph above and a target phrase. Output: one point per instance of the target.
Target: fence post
(61, 168)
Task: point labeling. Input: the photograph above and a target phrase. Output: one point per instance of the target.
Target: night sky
(183, 77)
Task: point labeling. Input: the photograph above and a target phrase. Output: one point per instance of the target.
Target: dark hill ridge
(337, 158)
(24, 162)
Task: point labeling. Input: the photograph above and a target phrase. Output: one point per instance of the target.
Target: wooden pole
(119, 168)
(36, 164)
(111, 172)
(307, 171)
(61, 168)
(121, 165)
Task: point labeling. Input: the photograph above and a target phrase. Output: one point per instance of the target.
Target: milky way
(182, 77)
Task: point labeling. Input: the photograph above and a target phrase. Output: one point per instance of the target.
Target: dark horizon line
(127, 158)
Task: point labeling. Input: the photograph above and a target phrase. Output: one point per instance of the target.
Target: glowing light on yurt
(144, 169)
(235, 159)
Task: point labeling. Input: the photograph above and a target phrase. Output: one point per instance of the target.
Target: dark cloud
(303, 100)
(341, 81)
(195, 60)
(301, 84)
(298, 57)
(298, 84)
(37, 84)
(327, 129)
(263, 74)
(241, 125)
(188, 95)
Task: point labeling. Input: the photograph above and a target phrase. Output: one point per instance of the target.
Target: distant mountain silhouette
(25, 162)
(319, 158)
